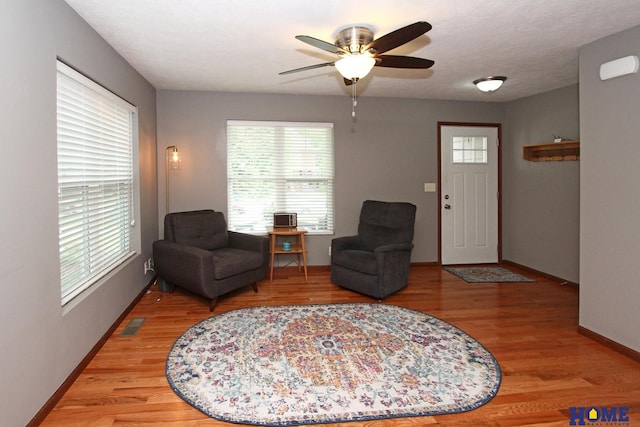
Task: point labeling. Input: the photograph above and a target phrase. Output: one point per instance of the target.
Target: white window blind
(279, 167)
(95, 180)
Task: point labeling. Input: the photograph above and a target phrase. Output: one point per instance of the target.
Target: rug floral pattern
(292, 365)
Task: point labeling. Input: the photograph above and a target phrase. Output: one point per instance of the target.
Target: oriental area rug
(487, 275)
(308, 364)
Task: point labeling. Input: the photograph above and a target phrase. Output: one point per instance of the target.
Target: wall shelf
(552, 152)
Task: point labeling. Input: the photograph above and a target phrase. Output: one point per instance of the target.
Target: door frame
(498, 127)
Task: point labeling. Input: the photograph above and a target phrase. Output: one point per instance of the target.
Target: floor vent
(133, 327)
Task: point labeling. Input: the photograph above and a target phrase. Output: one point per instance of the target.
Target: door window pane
(469, 149)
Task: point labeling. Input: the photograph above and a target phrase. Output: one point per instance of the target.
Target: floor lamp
(172, 161)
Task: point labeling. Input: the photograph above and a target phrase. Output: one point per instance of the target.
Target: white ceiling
(241, 46)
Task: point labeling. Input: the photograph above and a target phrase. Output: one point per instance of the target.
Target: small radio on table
(285, 220)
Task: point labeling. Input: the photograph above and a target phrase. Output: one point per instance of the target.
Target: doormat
(487, 275)
(312, 364)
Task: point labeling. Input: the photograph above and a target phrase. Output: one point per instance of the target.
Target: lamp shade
(173, 158)
(489, 84)
(355, 66)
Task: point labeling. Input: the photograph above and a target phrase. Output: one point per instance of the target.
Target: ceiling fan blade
(396, 61)
(399, 37)
(320, 44)
(308, 67)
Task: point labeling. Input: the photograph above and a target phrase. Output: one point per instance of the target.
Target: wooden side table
(297, 247)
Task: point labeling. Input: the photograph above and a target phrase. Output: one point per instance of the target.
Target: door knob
(447, 206)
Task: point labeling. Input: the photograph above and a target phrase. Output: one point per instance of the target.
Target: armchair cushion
(228, 262)
(362, 261)
(384, 223)
(202, 229)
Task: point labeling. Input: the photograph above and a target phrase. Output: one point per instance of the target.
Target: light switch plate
(429, 187)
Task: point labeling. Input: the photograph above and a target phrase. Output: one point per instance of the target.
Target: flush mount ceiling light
(489, 84)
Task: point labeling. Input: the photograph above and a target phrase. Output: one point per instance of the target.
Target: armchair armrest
(345, 242)
(187, 266)
(394, 247)
(252, 243)
(249, 242)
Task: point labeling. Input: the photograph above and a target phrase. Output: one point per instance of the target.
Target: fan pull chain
(354, 97)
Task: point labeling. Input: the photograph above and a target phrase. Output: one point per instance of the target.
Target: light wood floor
(529, 327)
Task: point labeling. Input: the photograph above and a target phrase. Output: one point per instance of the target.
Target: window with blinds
(279, 167)
(95, 132)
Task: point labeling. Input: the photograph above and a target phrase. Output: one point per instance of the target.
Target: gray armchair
(200, 255)
(376, 261)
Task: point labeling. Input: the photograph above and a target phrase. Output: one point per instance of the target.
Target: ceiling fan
(359, 52)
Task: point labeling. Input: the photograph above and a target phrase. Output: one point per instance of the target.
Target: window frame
(84, 176)
(317, 217)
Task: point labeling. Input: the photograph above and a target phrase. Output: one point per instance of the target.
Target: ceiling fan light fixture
(489, 84)
(354, 67)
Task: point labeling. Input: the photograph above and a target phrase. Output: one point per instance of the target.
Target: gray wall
(40, 344)
(541, 200)
(388, 153)
(610, 205)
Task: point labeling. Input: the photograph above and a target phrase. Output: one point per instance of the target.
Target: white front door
(469, 194)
